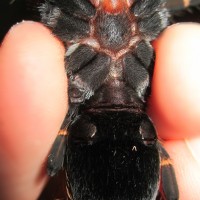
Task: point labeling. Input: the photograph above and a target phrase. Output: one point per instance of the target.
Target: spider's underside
(110, 151)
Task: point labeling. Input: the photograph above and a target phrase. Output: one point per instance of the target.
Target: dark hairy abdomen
(114, 163)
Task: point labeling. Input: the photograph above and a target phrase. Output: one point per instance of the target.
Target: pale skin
(33, 103)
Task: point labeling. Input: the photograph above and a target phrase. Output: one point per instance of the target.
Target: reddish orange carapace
(113, 6)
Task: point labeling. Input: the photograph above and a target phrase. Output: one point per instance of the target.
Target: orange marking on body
(114, 6)
(166, 162)
(186, 3)
(62, 132)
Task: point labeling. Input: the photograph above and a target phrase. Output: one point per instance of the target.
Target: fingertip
(30, 38)
(174, 103)
(33, 103)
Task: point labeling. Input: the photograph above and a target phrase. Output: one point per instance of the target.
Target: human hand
(33, 103)
(174, 103)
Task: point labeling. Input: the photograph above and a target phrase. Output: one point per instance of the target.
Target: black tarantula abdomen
(107, 143)
(108, 158)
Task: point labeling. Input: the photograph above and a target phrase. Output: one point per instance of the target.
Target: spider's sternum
(113, 32)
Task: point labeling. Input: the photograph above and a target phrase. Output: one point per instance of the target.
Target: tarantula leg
(168, 186)
(57, 154)
(80, 89)
(56, 188)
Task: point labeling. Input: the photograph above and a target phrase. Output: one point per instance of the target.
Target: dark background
(13, 11)
(10, 14)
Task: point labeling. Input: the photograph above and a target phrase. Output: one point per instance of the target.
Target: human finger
(32, 105)
(174, 103)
